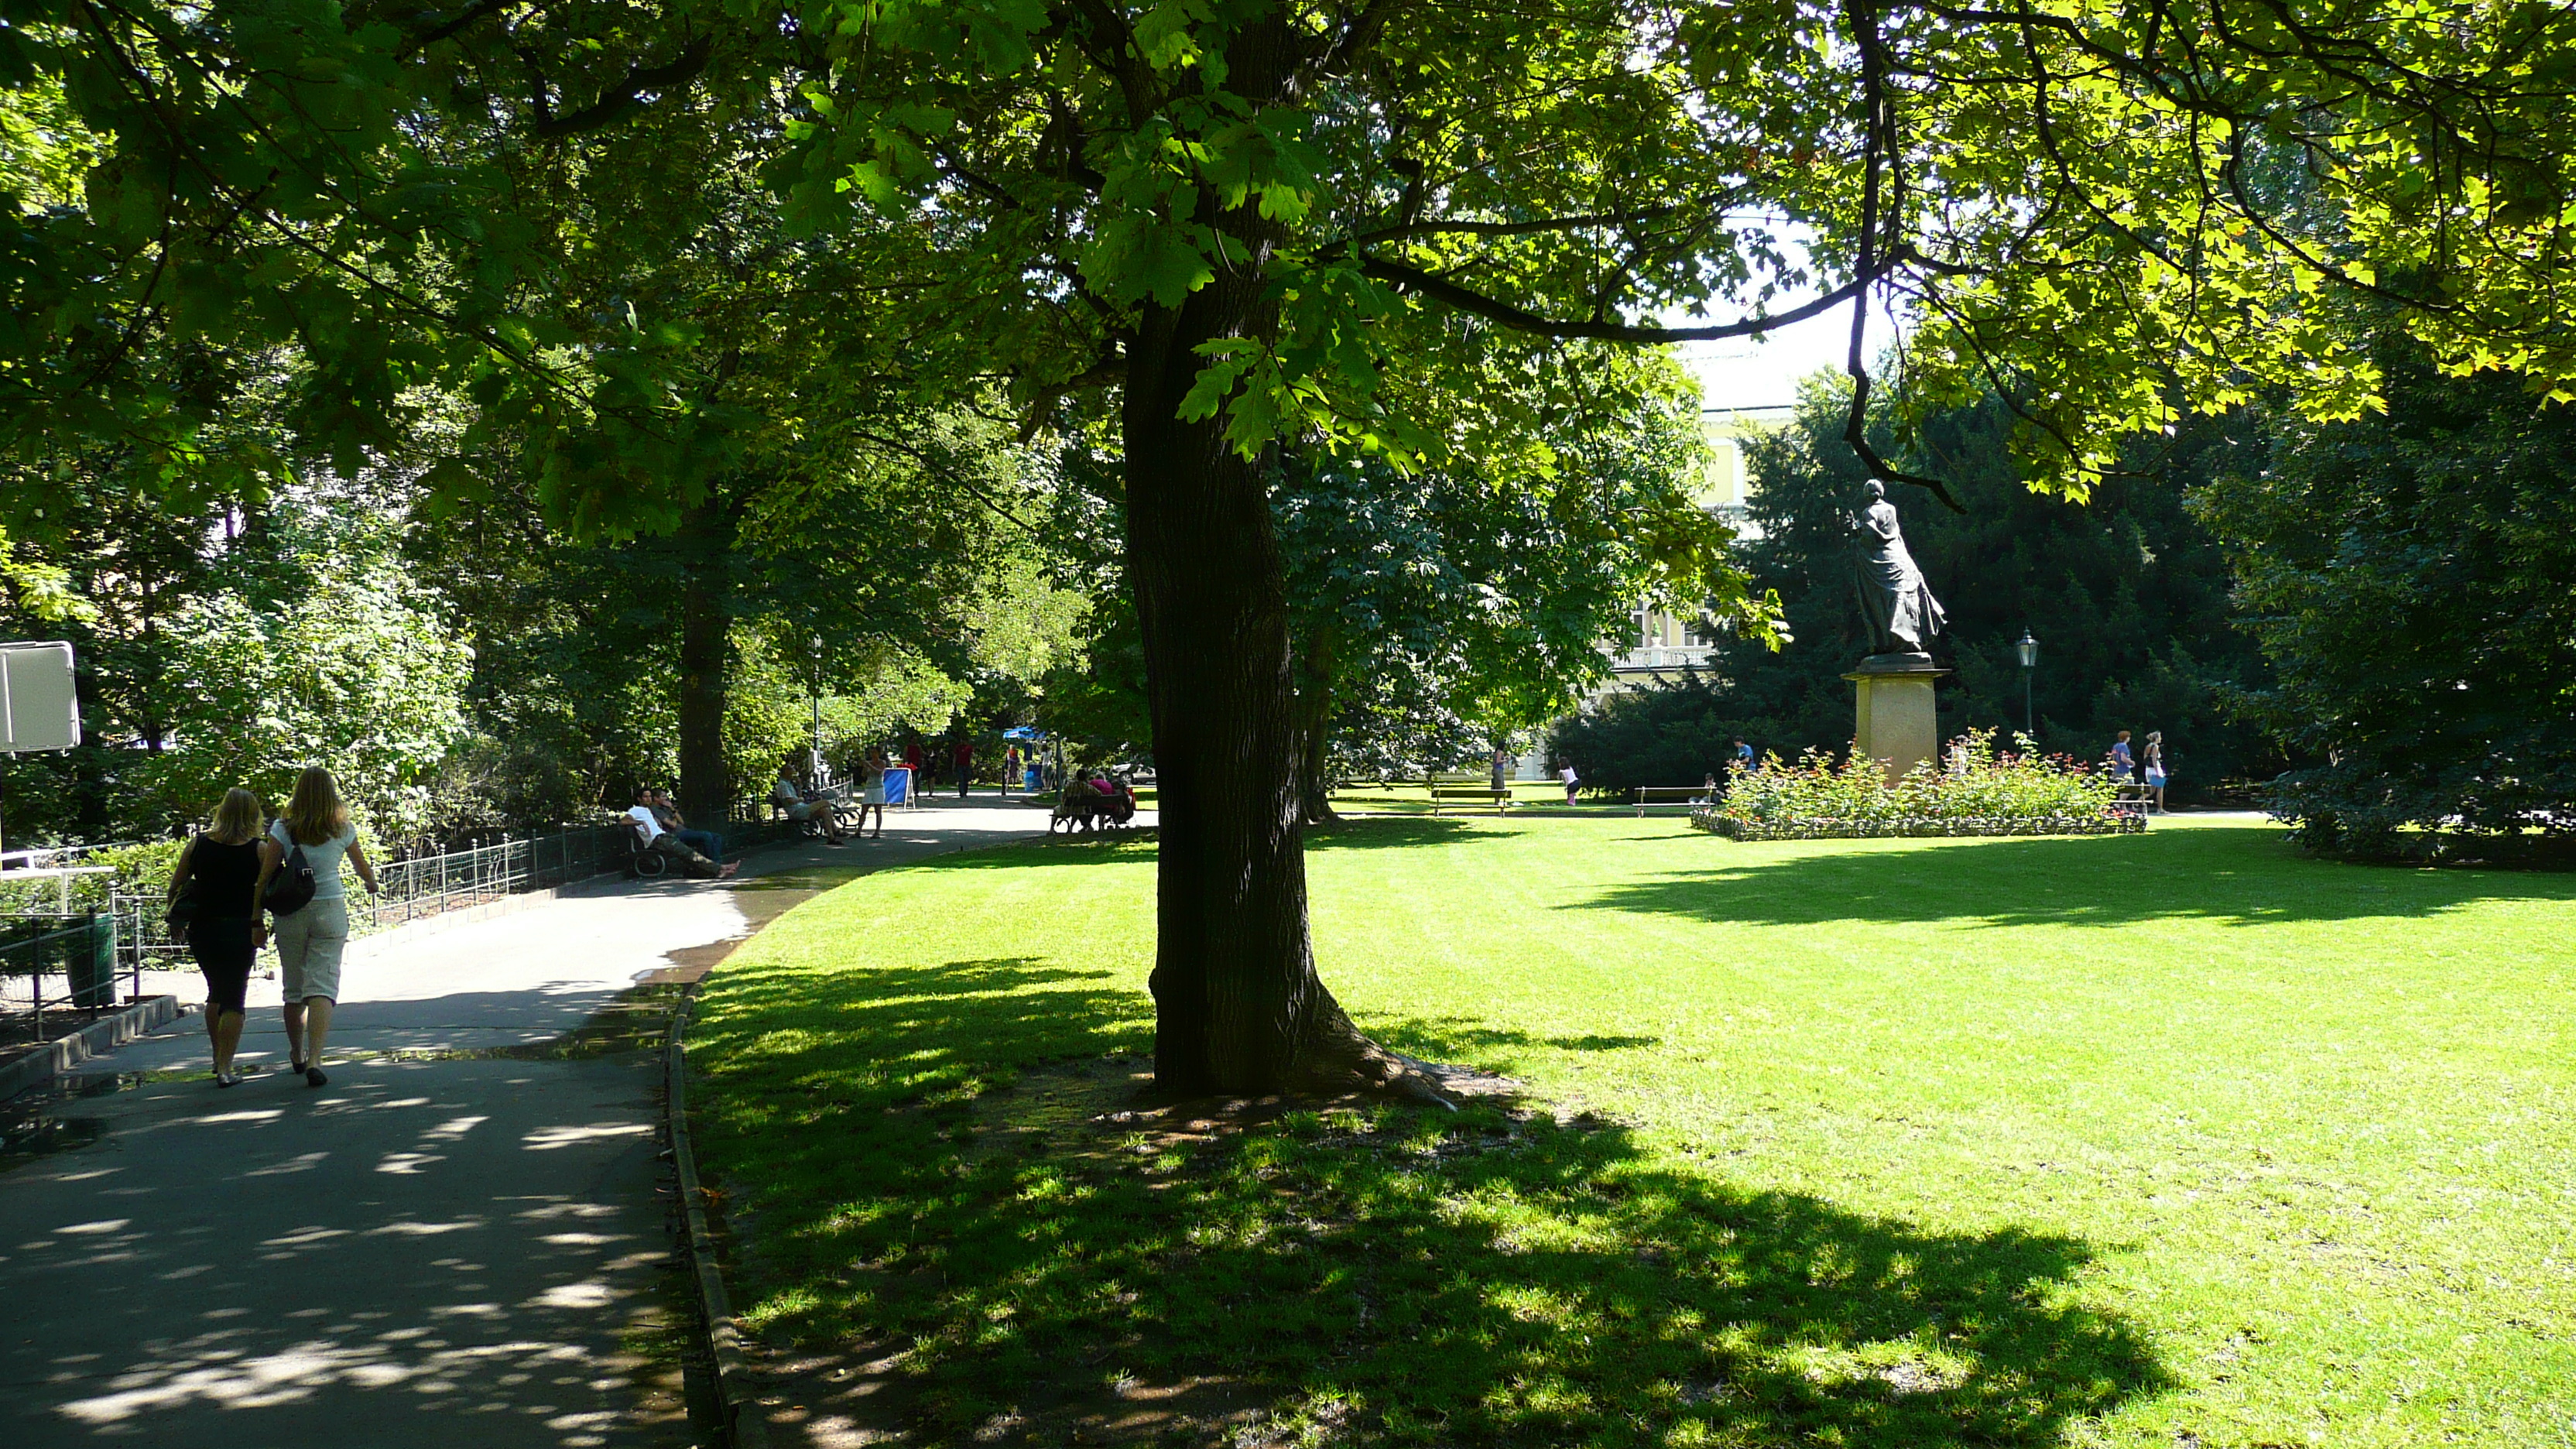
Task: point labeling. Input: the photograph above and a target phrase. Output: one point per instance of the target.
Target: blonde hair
(314, 813)
(238, 818)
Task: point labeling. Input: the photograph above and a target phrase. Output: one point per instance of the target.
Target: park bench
(845, 811)
(636, 858)
(1463, 785)
(1648, 795)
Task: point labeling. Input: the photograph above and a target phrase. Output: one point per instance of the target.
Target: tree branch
(1521, 319)
(614, 102)
(463, 19)
(1878, 147)
(1498, 228)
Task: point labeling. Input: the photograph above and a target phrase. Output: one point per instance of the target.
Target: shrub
(1978, 790)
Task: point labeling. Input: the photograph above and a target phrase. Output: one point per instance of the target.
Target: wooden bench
(1671, 795)
(1499, 799)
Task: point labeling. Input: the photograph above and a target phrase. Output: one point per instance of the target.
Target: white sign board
(38, 708)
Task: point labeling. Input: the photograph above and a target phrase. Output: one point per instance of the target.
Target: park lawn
(2170, 1139)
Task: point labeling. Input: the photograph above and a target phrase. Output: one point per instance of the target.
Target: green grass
(2113, 1140)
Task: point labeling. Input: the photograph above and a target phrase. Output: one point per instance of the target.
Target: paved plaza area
(463, 1234)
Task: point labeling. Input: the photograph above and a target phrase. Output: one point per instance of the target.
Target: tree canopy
(1347, 226)
(2408, 579)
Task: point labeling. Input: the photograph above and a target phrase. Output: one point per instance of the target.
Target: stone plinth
(1893, 721)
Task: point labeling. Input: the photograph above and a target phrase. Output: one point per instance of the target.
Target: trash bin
(91, 963)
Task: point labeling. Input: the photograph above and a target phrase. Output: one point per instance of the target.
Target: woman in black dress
(223, 862)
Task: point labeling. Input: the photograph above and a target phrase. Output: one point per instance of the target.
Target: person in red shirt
(964, 756)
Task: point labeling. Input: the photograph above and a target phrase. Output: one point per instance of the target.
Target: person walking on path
(218, 874)
(2156, 770)
(965, 757)
(1743, 758)
(1565, 773)
(2124, 766)
(311, 938)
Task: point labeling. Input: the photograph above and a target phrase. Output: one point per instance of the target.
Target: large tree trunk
(1314, 730)
(705, 617)
(1238, 1007)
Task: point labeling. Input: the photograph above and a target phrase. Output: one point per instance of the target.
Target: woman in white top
(1565, 774)
(310, 940)
(871, 795)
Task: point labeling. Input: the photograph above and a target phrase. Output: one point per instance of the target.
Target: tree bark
(1315, 664)
(1238, 1006)
(705, 616)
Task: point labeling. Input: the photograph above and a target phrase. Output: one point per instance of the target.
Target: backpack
(291, 889)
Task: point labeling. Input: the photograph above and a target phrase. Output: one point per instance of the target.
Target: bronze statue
(1903, 616)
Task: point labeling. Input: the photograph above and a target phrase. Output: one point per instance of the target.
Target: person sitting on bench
(668, 816)
(802, 804)
(648, 827)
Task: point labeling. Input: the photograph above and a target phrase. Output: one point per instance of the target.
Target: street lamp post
(2028, 649)
(815, 761)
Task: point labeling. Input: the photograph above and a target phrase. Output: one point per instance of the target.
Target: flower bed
(1713, 819)
(1978, 790)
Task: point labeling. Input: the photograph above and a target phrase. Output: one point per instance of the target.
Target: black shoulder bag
(291, 889)
(183, 906)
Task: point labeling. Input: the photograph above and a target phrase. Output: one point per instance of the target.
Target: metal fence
(40, 946)
(81, 948)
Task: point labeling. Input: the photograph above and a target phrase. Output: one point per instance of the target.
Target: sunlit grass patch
(1890, 1142)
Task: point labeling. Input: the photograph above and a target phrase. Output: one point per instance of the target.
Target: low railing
(81, 948)
(414, 889)
(38, 856)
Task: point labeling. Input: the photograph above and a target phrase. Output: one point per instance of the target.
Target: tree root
(1341, 1060)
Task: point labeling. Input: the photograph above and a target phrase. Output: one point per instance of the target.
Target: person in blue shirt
(2124, 766)
(1743, 758)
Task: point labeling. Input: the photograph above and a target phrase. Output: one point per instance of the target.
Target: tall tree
(1435, 614)
(1358, 218)
(2408, 577)
(2127, 596)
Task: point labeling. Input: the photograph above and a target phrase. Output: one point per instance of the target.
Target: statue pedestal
(1893, 720)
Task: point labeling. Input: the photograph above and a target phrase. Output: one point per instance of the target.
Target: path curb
(98, 1038)
(745, 1425)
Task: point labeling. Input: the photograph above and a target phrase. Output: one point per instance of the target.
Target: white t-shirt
(1566, 774)
(324, 858)
(643, 815)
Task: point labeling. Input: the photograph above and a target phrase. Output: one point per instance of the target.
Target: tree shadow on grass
(2237, 877)
(965, 1226)
(1463, 1038)
(1388, 832)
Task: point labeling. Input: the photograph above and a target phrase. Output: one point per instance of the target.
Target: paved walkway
(464, 1248)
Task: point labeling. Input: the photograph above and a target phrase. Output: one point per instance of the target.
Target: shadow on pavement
(367, 1264)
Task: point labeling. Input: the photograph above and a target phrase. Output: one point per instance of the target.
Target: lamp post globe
(2028, 649)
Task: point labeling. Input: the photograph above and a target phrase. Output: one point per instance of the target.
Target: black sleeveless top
(224, 876)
